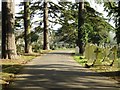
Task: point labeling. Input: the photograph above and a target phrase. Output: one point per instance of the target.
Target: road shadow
(60, 77)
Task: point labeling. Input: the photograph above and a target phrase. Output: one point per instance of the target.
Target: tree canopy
(94, 30)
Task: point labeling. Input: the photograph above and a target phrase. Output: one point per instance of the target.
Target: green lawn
(103, 68)
(12, 67)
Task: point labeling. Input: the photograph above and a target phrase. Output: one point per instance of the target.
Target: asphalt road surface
(58, 71)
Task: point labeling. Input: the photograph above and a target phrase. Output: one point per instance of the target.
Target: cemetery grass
(10, 68)
(103, 68)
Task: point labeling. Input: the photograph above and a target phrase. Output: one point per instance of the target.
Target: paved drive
(58, 71)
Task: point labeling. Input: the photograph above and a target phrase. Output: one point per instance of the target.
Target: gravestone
(77, 50)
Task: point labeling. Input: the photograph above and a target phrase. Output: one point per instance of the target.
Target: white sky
(56, 2)
(97, 7)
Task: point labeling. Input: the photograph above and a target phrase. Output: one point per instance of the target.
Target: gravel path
(58, 71)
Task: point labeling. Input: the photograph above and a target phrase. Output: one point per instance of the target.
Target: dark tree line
(8, 25)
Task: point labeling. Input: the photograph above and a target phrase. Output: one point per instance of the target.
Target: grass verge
(9, 68)
(110, 71)
(12, 67)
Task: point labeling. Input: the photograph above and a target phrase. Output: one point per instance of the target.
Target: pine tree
(27, 35)
(80, 23)
(8, 37)
(118, 25)
(45, 19)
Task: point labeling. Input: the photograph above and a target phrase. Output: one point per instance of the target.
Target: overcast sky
(97, 7)
(55, 1)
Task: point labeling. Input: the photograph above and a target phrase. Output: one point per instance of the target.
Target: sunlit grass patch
(12, 67)
(102, 67)
(80, 59)
(7, 76)
(99, 66)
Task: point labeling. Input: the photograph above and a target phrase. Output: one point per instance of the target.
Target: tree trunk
(4, 24)
(27, 37)
(119, 21)
(118, 25)
(8, 37)
(46, 35)
(80, 23)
